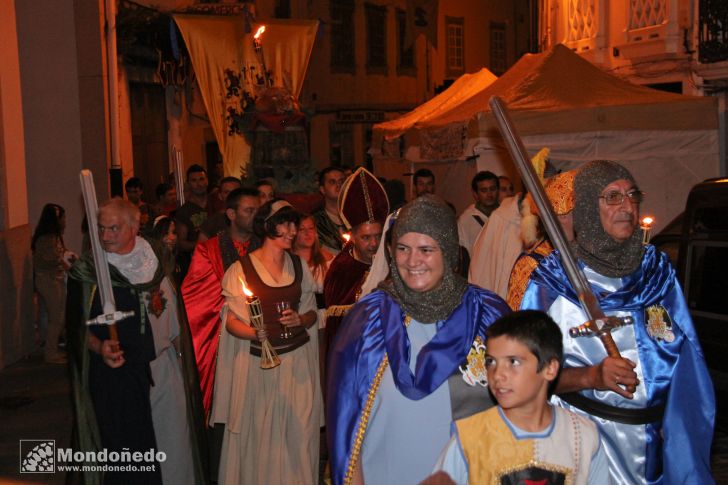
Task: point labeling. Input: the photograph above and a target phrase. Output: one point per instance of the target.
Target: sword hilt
(600, 326)
(110, 318)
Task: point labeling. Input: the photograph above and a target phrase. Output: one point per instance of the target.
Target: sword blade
(103, 279)
(518, 153)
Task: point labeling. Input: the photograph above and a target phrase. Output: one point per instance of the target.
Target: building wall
(332, 96)
(16, 309)
(663, 51)
(50, 52)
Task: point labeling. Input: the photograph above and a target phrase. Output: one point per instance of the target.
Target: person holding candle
(654, 405)
(272, 415)
(409, 358)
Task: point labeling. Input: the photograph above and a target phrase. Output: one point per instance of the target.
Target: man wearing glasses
(654, 405)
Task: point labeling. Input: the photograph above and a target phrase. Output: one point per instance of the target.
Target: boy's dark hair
(326, 171)
(534, 329)
(162, 190)
(423, 173)
(233, 198)
(195, 169)
(267, 228)
(484, 175)
(133, 183)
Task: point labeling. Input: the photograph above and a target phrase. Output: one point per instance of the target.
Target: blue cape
(675, 373)
(374, 327)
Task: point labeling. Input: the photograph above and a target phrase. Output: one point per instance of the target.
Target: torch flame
(346, 237)
(246, 291)
(647, 221)
(259, 32)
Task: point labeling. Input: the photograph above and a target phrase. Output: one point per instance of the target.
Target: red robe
(202, 295)
(341, 287)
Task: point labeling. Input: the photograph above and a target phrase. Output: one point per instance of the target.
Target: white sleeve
(452, 460)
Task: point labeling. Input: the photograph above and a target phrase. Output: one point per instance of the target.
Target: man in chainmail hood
(600, 250)
(409, 357)
(654, 404)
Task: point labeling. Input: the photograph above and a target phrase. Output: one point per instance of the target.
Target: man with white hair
(138, 392)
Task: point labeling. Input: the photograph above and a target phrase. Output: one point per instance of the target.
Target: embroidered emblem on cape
(659, 323)
(156, 302)
(474, 371)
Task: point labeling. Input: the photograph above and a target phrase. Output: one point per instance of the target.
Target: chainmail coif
(593, 245)
(431, 216)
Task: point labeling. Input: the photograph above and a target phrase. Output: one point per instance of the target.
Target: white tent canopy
(558, 100)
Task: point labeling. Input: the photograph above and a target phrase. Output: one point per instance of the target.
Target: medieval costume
(559, 190)
(488, 448)
(362, 200)
(663, 434)
(342, 287)
(152, 401)
(272, 416)
(404, 358)
(497, 248)
(202, 295)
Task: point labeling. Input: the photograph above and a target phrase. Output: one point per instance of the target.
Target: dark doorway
(149, 136)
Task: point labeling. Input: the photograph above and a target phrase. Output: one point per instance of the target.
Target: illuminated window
(647, 13)
(582, 16)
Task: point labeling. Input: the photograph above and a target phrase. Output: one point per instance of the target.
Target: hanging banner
(234, 71)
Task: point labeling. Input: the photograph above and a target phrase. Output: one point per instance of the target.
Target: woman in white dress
(272, 415)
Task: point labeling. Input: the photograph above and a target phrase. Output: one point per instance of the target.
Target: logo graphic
(37, 456)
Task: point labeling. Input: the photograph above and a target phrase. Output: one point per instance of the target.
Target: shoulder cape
(373, 336)
(81, 289)
(675, 373)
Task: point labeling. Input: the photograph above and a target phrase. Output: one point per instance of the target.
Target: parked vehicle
(700, 237)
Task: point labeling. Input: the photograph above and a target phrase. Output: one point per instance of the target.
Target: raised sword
(598, 324)
(110, 314)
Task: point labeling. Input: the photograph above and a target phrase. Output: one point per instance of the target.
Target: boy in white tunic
(524, 439)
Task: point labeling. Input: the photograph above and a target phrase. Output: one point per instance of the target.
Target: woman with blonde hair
(308, 247)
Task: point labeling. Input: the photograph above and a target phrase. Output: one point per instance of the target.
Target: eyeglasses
(616, 198)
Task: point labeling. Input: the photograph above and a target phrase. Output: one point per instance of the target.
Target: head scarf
(593, 245)
(431, 216)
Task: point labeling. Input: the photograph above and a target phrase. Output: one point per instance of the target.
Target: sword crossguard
(600, 326)
(110, 318)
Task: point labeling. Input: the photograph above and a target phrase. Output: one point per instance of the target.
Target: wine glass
(282, 306)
